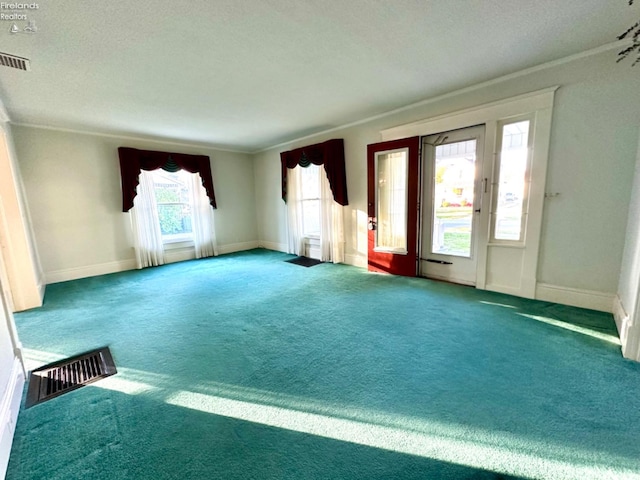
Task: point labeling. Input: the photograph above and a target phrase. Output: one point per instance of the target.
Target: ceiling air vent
(13, 61)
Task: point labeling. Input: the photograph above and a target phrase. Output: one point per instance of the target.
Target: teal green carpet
(247, 367)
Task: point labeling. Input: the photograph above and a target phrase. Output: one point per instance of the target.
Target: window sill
(507, 244)
(177, 244)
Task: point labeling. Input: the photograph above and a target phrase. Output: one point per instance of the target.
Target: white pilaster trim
(621, 317)
(356, 260)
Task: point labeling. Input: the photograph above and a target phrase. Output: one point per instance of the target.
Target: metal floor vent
(63, 376)
(13, 61)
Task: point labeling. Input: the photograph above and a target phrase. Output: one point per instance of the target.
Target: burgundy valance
(133, 160)
(330, 154)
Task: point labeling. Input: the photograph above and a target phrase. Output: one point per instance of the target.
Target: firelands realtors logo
(18, 14)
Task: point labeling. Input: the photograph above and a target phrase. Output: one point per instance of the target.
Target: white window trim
(482, 114)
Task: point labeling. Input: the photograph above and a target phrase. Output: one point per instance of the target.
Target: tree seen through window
(173, 197)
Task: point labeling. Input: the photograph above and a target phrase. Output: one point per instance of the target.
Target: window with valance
(315, 201)
(132, 161)
(330, 155)
(170, 198)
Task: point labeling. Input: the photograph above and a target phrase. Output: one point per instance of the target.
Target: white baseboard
(575, 297)
(516, 292)
(278, 247)
(237, 247)
(177, 255)
(89, 271)
(9, 408)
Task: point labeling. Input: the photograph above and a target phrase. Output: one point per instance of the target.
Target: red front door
(393, 178)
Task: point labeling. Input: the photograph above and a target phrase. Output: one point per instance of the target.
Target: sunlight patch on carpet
(461, 444)
(574, 328)
(497, 304)
(500, 452)
(471, 453)
(36, 358)
(122, 385)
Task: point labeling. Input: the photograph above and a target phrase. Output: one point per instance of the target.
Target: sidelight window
(513, 176)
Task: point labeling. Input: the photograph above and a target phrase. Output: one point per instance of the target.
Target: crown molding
(620, 44)
(134, 138)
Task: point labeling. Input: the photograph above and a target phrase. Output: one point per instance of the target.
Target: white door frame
(502, 267)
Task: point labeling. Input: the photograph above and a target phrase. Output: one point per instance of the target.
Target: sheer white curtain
(331, 224)
(204, 236)
(294, 211)
(147, 237)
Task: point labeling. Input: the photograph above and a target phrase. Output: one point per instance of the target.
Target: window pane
(172, 190)
(453, 198)
(392, 200)
(311, 181)
(174, 219)
(310, 178)
(512, 181)
(311, 217)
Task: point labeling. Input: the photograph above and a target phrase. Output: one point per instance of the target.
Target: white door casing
(502, 266)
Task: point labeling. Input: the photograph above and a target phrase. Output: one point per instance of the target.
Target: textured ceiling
(250, 74)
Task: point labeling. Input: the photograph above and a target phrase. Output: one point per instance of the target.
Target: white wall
(592, 155)
(72, 184)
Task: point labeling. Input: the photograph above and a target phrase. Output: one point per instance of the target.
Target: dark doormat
(304, 261)
(66, 375)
